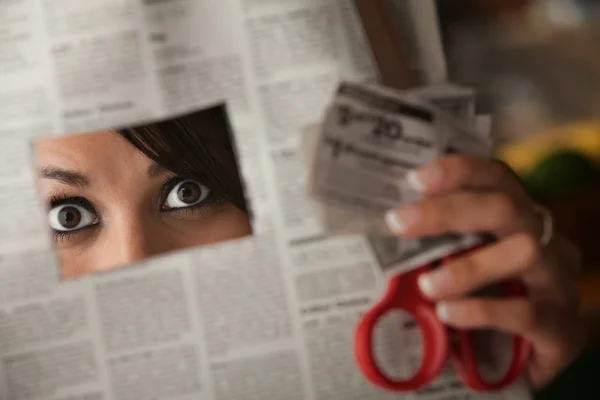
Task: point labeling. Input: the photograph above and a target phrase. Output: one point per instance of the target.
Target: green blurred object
(561, 174)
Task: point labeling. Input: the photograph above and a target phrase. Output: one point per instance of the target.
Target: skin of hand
(467, 194)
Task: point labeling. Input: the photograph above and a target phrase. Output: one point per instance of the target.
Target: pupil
(189, 192)
(69, 217)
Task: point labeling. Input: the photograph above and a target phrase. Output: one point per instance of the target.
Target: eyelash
(59, 200)
(212, 198)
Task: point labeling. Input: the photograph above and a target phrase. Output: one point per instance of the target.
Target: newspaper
(269, 316)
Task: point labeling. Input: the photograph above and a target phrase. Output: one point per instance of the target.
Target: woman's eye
(186, 194)
(70, 217)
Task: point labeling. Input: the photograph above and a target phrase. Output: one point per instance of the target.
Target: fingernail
(445, 312)
(432, 283)
(424, 178)
(398, 221)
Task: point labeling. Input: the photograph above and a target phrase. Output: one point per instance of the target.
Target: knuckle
(529, 247)
(449, 207)
(512, 315)
(455, 203)
(468, 272)
(457, 166)
(505, 207)
(431, 214)
(435, 213)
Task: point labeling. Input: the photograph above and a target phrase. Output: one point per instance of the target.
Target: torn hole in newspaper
(116, 197)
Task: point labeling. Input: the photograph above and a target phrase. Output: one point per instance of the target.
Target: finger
(463, 212)
(515, 315)
(466, 172)
(501, 261)
(541, 325)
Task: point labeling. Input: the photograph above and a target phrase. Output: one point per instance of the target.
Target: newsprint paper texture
(265, 317)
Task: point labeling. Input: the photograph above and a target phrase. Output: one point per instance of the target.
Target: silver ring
(547, 225)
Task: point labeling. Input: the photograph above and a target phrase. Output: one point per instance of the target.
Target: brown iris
(69, 217)
(189, 192)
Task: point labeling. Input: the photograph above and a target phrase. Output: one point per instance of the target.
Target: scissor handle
(464, 351)
(403, 294)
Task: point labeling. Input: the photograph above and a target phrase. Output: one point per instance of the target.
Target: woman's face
(110, 206)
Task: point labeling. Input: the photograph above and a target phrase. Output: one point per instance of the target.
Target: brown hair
(196, 146)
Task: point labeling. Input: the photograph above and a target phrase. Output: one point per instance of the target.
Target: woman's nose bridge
(131, 240)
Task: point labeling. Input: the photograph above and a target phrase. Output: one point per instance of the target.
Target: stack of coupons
(359, 156)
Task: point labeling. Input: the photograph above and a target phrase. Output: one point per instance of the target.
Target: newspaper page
(266, 308)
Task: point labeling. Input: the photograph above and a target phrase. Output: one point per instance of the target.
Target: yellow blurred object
(581, 136)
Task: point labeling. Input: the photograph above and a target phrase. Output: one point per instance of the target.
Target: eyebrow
(65, 176)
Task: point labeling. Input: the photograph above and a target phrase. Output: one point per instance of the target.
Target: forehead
(90, 149)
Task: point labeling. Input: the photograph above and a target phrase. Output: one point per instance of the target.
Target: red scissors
(404, 294)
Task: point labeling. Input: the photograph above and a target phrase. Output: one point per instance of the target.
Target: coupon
(359, 157)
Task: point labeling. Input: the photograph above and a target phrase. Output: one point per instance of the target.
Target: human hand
(467, 194)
